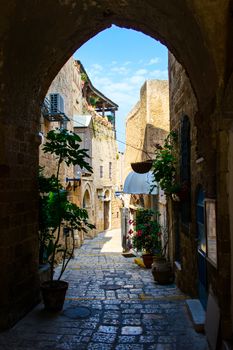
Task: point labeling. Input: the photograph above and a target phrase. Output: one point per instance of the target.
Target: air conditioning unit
(56, 104)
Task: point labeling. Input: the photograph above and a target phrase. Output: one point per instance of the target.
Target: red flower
(139, 233)
(130, 232)
(159, 234)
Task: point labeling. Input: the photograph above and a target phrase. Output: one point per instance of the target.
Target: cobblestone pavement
(111, 304)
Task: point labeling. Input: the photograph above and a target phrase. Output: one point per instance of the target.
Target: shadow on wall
(152, 137)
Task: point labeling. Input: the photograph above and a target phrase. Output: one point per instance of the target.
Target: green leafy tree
(55, 210)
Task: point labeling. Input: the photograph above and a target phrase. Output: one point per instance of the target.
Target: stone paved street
(111, 304)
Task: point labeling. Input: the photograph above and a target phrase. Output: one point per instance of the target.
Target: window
(185, 168)
(110, 170)
(101, 171)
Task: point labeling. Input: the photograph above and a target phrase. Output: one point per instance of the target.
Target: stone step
(197, 314)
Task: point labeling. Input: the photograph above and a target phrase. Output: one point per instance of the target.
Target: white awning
(136, 183)
(82, 121)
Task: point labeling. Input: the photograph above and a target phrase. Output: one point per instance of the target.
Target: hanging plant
(164, 165)
(84, 77)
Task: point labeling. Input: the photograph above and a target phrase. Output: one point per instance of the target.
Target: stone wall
(32, 52)
(68, 84)
(183, 102)
(149, 120)
(105, 154)
(210, 168)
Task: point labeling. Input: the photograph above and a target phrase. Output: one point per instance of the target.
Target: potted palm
(146, 238)
(59, 215)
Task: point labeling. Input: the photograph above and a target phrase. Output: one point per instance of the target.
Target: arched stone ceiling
(39, 36)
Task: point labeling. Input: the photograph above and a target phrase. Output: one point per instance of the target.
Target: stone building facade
(98, 137)
(95, 192)
(149, 119)
(67, 84)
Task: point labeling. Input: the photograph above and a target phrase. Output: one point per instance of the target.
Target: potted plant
(164, 167)
(58, 212)
(146, 238)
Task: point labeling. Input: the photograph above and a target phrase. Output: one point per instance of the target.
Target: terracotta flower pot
(147, 260)
(53, 294)
(162, 271)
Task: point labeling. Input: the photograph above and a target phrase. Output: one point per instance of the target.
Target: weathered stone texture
(36, 41)
(149, 120)
(104, 152)
(68, 84)
(211, 169)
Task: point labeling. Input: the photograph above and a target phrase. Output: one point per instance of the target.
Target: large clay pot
(147, 260)
(162, 271)
(53, 293)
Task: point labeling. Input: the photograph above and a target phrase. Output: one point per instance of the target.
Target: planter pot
(53, 294)
(147, 260)
(142, 167)
(162, 271)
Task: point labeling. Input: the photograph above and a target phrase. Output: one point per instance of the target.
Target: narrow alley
(111, 304)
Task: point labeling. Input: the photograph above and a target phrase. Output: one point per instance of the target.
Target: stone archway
(36, 40)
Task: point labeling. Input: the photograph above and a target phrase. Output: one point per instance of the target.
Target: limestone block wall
(183, 102)
(155, 93)
(104, 162)
(134, 137)
(203, 173)
(149, 121)
(68, 84)
(18, 219)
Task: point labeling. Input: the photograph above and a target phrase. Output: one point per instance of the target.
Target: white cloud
(141, 72)
(137, 79)
(120, 70)
(121, 86)
(96, 67)
(127, 63)
(159, 74)
(154, 60)
(99, 81)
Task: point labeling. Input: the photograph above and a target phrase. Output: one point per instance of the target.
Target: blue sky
(118, 61)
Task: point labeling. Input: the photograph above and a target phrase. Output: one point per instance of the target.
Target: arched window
(185, 169)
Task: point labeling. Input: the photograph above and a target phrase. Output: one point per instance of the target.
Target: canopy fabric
(82, 121)
(136, 183)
